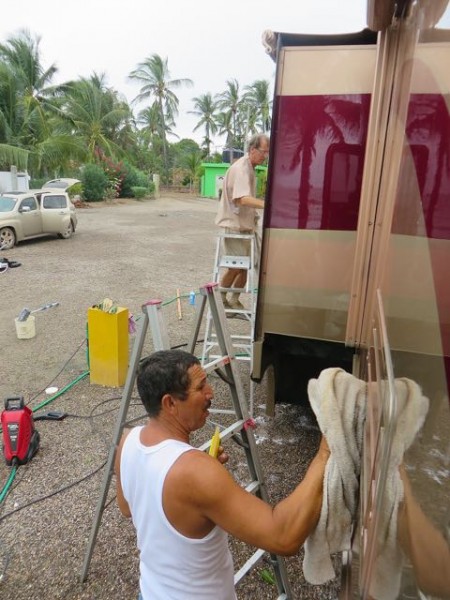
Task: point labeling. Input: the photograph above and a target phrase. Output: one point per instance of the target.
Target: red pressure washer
(20, 438)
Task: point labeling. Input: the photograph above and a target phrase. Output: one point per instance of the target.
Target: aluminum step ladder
(242, 340)
(241, 429)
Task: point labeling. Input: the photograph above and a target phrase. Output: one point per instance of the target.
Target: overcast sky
(206, 41)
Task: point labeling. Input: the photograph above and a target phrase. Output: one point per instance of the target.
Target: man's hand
(222, 456)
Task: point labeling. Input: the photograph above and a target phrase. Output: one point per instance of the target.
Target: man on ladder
(237, 213)
(183, 501)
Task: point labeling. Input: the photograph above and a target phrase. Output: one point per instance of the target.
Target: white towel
(339, 401)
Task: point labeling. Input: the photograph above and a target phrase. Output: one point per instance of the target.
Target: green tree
(257, 99)
(230, 103)
(192, 163)
(27, 105)
(205, 108)
(154, 75)
(180, 150)
(96, 116)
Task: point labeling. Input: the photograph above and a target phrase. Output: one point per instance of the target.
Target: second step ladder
(243, 319)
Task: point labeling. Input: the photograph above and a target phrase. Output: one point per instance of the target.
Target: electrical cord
(13, 473)
(59, 372)
(54, 493)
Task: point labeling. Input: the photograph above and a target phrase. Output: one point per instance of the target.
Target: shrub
(94, 182)
(132, 177)
(139, 192)
(75, 190)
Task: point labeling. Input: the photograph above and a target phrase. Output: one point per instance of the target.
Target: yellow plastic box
(108, 346)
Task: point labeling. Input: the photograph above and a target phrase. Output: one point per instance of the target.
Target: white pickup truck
(35, 213)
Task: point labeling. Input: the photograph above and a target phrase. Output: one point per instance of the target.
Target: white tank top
(172, 566)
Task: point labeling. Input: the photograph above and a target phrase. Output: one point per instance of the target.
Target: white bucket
(26, 329)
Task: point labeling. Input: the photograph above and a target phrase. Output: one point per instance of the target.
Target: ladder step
(252, 487)
(235, 262)
(234, 337)
(239, 236)
(220, 361)
(222, 411)
(225, 434)
(235, 290)
(254, 558)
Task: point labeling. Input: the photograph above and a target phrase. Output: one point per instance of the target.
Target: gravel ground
(131, 252)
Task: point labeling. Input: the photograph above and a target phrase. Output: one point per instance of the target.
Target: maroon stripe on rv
(318, 156)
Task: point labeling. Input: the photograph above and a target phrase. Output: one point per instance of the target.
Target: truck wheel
(7, 238)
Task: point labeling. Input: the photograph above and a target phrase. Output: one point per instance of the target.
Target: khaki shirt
(239, 181)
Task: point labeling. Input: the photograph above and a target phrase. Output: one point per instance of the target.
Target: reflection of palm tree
(321, 117)
(205, 108)
(427, 120)
(154, 75)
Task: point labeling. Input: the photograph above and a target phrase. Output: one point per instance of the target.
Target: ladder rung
(225, 434)
(234, 290)
(252, 487)
(241, 357)
(240, 236)
(254, 558)
(235, 262)
(234, 337)
(215, 364)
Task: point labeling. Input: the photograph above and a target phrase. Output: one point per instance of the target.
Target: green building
(212, 179)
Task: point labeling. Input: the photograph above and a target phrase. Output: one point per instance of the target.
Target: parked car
(25, 215)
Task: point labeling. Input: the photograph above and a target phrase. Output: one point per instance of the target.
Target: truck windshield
(7, 203)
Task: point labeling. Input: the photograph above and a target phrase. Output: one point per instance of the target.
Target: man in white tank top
(183, 502)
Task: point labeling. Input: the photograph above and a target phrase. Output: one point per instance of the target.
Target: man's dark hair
(164, 372)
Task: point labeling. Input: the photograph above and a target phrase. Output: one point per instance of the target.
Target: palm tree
(192, 163)
(223, 121)
(154, 75)
(257, 98)
(230, 103)
(25, 97)
(96, 116)
(205, 108)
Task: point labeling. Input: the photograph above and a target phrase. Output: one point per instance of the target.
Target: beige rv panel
(307, 282)
(431, 73)
(318, 71)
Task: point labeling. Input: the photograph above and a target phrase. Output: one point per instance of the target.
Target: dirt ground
(130, 252)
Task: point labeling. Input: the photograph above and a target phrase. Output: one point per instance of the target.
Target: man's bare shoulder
(196, 466)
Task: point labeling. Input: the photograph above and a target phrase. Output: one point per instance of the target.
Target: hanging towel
(339, 402)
